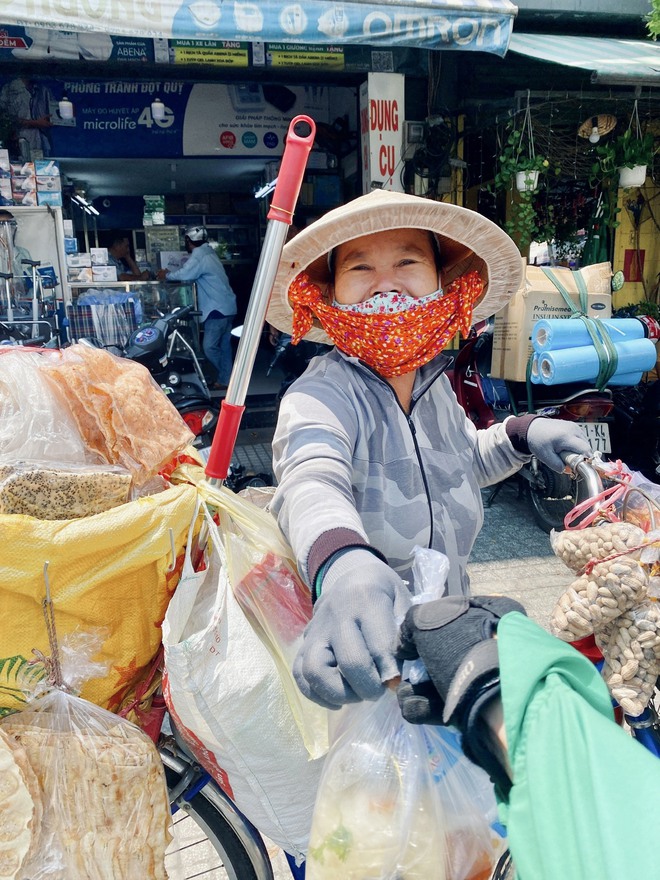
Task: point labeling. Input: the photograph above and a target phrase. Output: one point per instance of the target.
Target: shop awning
(479, 25)
(611, 62)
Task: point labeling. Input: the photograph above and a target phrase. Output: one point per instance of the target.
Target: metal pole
(85, 230)
(280, 216)
(256, 313)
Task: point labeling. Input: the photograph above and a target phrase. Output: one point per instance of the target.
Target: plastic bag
(60, 491)
(230, 703)
(278, 605)
(474, 837)
(101, 788)
(631, 649)
(377, 815)
(399, 801)
(120, 411)
(34, 423)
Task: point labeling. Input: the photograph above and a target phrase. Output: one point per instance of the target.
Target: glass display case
(111, 311)
(236, 242)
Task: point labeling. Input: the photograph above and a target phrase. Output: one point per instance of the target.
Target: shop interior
(151, 190)
(152, 201)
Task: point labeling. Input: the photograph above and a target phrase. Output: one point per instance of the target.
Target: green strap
(608, 356)
(528, 381)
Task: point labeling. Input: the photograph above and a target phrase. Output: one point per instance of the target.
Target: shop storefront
(227, 81)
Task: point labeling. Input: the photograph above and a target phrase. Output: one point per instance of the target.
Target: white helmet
(196, 233)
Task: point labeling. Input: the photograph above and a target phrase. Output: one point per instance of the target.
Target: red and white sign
(382, 113)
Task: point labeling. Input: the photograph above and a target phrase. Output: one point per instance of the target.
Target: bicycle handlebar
(590, 484)
(583, 468)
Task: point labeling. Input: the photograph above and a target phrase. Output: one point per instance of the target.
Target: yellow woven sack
(114, 570)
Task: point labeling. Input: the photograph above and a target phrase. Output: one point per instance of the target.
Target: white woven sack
(225, 695)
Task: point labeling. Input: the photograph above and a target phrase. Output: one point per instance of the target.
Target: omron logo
(598, 307)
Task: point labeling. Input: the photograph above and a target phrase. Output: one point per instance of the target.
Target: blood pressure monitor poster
(113, 118)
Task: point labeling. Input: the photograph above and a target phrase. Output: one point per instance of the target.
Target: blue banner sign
(477, 25)
(113, 119)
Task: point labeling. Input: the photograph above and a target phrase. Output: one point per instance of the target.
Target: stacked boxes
(99, 262)
(23, 183)
(30, 183)
(154, 211)
(5, 179)
(86, 267)
(79, 268)
(49, 182)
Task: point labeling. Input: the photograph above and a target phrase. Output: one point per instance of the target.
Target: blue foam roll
(626, 379)
(534, 375)
(551, 334)
(582, 364)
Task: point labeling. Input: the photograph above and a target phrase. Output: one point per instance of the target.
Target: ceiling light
(594, 137)
(157, 110)
(65, 108)
(92, 210)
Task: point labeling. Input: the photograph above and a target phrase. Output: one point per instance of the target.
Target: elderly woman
(372, 452)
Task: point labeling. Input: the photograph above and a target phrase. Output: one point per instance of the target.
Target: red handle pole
(289, 181)
(292, 169)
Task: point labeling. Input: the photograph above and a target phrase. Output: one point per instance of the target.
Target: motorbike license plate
(598, 435)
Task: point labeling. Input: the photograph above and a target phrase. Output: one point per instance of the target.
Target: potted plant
(519, 164)
(633, 153)
(519, 171)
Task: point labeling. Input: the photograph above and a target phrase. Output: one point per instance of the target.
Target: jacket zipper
(413, 431)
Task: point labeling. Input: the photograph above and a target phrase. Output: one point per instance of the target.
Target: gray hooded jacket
(354, 469)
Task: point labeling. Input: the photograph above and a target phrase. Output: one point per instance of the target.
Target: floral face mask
(388, 302)
(394, 341)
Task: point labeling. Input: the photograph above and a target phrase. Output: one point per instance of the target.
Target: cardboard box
(104, 273)
(23, 169)
(78, 261)
(68, 227)
(23, 184)
(81, 275)
(70, 244)
(46, 168)
(27, 198)
(99, 256)
(50, 198)
(49, 184)
(537, 299)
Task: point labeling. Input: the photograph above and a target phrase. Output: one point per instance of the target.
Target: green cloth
(585, 803)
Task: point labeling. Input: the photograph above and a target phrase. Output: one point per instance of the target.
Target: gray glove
(454, 638)
(348, 647)
(548, 439)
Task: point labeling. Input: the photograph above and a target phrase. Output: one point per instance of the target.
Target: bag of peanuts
(612, 599)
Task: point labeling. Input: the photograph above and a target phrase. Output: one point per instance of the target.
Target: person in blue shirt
(215, 299)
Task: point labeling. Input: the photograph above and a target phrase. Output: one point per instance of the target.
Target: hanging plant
(633, 152)
(515, 158)
(605, 176)
(521, 171)
(530, 220)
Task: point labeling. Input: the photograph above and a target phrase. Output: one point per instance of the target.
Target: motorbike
(487, 401)
(293, 360)
(636, 428)
(165, 351)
